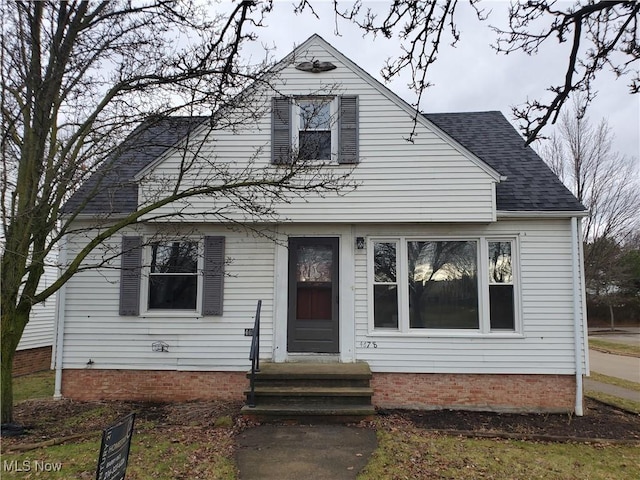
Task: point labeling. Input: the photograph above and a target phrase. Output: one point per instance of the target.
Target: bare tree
(608, 185)
(76, 77)
(601, 35)
(605, 182)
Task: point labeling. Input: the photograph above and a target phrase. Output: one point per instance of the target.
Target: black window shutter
(213, 281)
(130, 268)
(281, 130)
(348, 129)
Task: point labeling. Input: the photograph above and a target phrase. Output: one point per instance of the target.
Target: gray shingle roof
(111, 189)
(530, 184)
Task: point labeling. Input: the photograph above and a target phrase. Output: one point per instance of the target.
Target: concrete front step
(297, 371)
(297, 395)
(312, 392)
(311, 414)
(298, 391)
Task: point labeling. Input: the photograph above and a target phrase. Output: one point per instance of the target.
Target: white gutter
(577, 302)
(60, 309)
(540, 214)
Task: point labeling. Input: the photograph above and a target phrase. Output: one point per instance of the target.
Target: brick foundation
(506, 393)
(152, 385)
(31, 360)
(521, 393)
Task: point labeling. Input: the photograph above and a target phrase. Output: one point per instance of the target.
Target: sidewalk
(613, 390)
(294, 452)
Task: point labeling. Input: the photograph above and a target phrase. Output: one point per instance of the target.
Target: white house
(452, 267)
(34, 352)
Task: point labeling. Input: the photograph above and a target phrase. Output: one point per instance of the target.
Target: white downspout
(60, 314)
(577, 302)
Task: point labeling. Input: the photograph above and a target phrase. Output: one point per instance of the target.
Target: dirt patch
(600, 422)
(46, 419)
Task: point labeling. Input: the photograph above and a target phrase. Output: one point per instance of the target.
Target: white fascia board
(541, 214)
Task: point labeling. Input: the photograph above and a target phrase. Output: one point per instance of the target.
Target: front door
(313, 295)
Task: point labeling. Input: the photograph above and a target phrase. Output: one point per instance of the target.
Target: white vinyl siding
(95, 331)
(39, 331)
(257, 269)
(427, 180)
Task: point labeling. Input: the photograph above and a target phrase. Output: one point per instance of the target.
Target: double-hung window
(173, 276)
(315, 128)
(460, 284)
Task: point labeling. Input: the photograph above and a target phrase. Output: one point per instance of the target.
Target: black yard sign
(114, 451)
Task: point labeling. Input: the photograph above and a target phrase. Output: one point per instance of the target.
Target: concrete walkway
(303, 452)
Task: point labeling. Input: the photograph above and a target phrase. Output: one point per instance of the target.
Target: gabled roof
(112, 188)
(530, 184)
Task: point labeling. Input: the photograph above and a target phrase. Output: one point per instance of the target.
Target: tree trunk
(612, 318)
(13, 324)
(7, 384)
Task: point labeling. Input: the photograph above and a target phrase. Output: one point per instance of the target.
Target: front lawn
(407, 452)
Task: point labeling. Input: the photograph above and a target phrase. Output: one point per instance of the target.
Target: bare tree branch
(601, 34)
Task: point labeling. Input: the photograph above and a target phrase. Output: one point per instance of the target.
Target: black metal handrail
(254, 356)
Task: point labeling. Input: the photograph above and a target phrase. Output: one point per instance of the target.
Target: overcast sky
(470, 77)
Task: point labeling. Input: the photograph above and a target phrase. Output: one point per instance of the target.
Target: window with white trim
(501, 294)
(458, 284)
(385, 285)
(173, 276)
(442, 280)
(316, 129)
